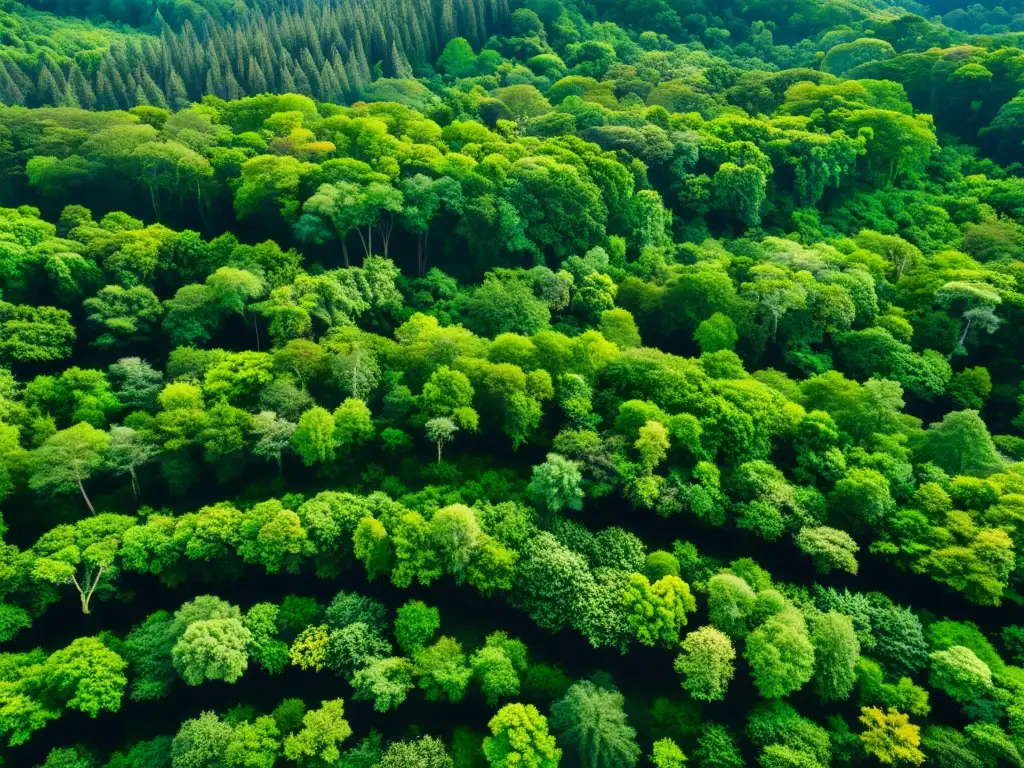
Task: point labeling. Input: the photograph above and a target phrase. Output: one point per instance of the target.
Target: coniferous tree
(47, 90)
(10, 93)
(177, 96)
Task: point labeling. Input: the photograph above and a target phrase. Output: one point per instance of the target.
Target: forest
(511, 383)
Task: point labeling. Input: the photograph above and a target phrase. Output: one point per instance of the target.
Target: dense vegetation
(455, 384)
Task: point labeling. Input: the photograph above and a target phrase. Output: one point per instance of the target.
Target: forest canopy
(464, 383)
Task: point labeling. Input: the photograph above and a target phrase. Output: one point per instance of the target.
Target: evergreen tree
(177, 96)
(48, 93)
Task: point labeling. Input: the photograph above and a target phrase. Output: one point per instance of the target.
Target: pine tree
(153, 93)
(355, 74)
(106, 99)
(47, 93)
(10, 94)
(83, 92)
(287, 82)
(24, 83)
(329, 90)
(131, 85)
(109, 67)
(310, 69)
(233, 88)
(177, 96)
(257, 82)
(399, 63)
(344, 86)
(448, 29)
(365, 75)
(302, 84)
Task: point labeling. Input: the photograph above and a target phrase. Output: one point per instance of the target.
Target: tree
(353, 647)
(976, 303)
(386, 682)
(67, 459)
(424, 199)
(92, 544)
(780, 654)
(446, 392)
(34, 334)
(890, 737)
(353, 423)
(254, 745)
(440, 431)
(443, 671)
(232, 289)
(667, 754)
(656, 613)
(314, 436)
(69, 757)
(841, 58)
(523, 101)
(592, 725)
(557, 484)
(829, 548)
(85, 675)
(424, 752)
(730, 604)
(273, 436)
(836, 651)
(213, 649)
(716, 748)
(455, 535)
(309, 649)
(741, 191)
(716, 333)
(191, 315)
(960, 673)
(415, 624)
(135, 383)
(201, 741)
(128, 450)
(862, 497)
(318, 741)
(496, 671)
(123, 315)
(706, 663)
(519, 737)
(961, 445)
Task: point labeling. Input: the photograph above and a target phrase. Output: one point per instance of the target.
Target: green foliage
(519, 736)
(413, 254)
(780, 654)
(706, 663)
(323, 730)
(415, 625)
(593, 727)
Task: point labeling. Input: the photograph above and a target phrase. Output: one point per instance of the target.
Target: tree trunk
(385, 233)
(419, 256)
(86, 496)
(86, 598)
(135, 482)
(963, 334)
(153, 200)
(366, 250)
(344, 251)
(438, 451)
(256, 330)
